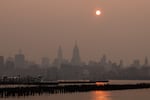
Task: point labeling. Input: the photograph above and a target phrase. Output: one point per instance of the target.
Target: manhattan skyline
(75, 58)
(38, 27)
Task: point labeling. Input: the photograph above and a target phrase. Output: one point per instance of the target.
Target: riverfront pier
(67, 87)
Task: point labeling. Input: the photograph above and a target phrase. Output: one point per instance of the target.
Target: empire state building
(76, 56)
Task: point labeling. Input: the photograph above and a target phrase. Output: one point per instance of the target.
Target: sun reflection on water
(101, 95)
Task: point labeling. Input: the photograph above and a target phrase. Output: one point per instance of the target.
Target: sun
(98, 12)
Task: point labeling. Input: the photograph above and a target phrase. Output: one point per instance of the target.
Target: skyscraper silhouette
(60, 55)
(10, 63)
(1, 61)
(19, 60)
(103, 60)
(146, 61)
(59, 59)
(76, 60)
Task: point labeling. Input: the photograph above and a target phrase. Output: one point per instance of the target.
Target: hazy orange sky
(38, 27)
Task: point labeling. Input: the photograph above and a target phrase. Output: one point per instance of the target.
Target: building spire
(20, 51)
(60, 53)
(76, 55)
(76, 43)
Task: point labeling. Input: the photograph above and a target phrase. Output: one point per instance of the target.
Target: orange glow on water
(101, 95)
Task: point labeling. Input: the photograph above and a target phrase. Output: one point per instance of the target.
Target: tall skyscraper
(1, 61)
(59, 59)
(103, 60)
(76, 60)
(10, 63)
(136, 63)
(121, 63)
(19, 60)
(60, 55)
(146, 61)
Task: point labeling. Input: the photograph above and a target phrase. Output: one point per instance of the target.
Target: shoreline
(30, 90)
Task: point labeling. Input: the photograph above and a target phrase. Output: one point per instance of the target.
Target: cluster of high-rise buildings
(19, 61)
(62, 69)
(13, 62)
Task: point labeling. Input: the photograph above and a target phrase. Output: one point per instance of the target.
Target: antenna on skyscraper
(75, 42)
(20, 51)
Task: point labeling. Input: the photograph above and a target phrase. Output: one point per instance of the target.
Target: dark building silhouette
(59, 59)
(146, 61)
(19, 60)
(76, 60)
(136, 63)
(60, 54)
(121, 63)
(45, 63)
(1, 61)
(103, 60)
(9, 63)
